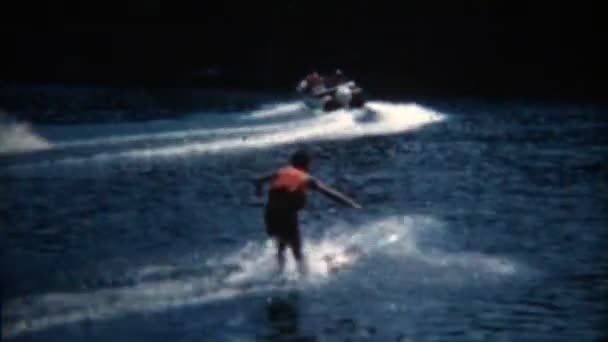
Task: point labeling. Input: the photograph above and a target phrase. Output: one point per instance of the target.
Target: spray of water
(18, 137)
(251, 270)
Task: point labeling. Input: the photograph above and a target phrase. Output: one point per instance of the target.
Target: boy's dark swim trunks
(282, 224)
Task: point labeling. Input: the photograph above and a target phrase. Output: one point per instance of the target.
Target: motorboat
(330, 93)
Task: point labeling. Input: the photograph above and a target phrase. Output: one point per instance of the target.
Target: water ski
(344, 258)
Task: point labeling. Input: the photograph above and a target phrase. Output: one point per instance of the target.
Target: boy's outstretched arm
(258, 181)
(334, 194)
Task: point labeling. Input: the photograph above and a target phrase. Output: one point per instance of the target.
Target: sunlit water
(481, 222)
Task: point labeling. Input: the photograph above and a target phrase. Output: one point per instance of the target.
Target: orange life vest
(290, 179)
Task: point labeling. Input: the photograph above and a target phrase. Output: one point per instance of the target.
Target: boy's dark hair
(300, 159)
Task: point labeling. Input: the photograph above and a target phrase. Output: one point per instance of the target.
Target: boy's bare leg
(296, 249)
(281, 255)
(302, 266)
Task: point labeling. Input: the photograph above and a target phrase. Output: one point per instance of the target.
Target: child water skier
(287, 196)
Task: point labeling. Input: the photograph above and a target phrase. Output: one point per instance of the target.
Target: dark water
(481, 221)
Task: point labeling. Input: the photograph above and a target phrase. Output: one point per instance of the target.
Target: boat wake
(295, 126)
(384, 245)
(19, 137)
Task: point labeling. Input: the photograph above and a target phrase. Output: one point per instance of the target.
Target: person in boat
(313, 84)
(336, 79)
(286, 197)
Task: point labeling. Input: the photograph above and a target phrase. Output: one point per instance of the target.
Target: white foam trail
(55, 309)
(390, 118)
(324, 127)
(183, 134)
(338, 125)
(276, 110)
(18, 137)
(170, 129)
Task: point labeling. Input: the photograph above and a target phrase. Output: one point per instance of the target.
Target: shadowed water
(482, 221)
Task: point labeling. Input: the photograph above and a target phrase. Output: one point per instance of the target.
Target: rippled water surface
(481, 221)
